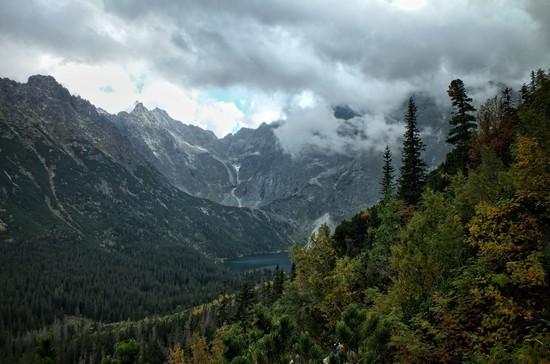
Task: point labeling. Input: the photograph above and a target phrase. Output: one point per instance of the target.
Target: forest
(451, 265)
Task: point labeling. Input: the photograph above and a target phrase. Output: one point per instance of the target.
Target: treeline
(81, 340)
(53, 283)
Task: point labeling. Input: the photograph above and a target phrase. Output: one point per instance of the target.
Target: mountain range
(116, 216)
(68, 166)
(250, 168)
(77, 164)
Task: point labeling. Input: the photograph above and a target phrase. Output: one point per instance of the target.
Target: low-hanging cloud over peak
(223, 65)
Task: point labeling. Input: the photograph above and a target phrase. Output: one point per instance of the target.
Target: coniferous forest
(450, 266)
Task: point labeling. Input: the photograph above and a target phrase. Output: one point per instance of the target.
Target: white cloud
(411, 4)
(265, 108)
(125, 85)
(305, 99)
(219, 116)
(89, 80)
(317, 127)
(286, 55)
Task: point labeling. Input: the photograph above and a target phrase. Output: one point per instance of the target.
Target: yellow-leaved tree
(497, 308)
(176, 356)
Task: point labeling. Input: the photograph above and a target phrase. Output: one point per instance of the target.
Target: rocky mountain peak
(44, 81)
(41, 85)
(138, 108)
(160, 112)
(344, 112)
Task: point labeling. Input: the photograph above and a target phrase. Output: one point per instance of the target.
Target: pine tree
(278, 282)
(507, 98)
(413, 168)
(244, 300)
(127, 351)
(463, 126)
(45, 351)
(292, 272)
(524, 94)
(387, 174)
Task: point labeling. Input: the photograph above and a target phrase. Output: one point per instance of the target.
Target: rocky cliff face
(251, 169)
(185, 171)
(185, 154)
(71, 169)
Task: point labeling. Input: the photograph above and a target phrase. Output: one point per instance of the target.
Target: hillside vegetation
(455, 271)
(450, 266)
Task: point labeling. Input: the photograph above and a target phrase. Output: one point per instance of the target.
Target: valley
(276, 182)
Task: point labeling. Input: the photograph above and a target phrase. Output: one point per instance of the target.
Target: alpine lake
(260, 261)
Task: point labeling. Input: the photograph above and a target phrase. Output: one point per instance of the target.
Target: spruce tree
(278, 282)
(507, 98)
(244, 300)
(463, 126)
(533, 83)
(387, 174)
(524, 94)
(126, 352)
(45, 351)
(413, 168)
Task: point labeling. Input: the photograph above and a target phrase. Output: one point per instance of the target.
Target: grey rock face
(251, 169)
(246, 169)
(70, 169)
(185, 154)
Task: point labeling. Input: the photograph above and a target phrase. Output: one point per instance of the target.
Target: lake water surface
(260, 261)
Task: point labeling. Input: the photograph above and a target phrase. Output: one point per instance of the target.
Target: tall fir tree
(245, 299)
(413, 168)
(463, 127)
(45, 352)
(278, 282)
(533, 83)
(507, 98)
(387, 174)
(524, 94)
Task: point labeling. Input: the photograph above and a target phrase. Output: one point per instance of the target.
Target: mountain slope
(185, 154)
(88, 226)
(74, 167)
(251, 168)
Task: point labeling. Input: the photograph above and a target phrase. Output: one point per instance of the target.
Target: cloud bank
(227, 64)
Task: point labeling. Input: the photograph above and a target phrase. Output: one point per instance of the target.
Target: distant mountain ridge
(245, 169)
(251, 169)
(68, 165)
(117, 216)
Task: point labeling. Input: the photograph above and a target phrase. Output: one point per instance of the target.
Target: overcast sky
(227, 64)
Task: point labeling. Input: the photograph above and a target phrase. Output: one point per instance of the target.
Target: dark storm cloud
(67, 29)
(292, 45)
(369, 54)
(255, 42)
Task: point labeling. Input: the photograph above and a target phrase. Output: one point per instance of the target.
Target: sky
(223, 65)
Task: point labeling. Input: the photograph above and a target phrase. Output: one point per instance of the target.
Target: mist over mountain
(80, 171)
(76, 164)
(245, 182)
(131, 213)
(323, 173)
